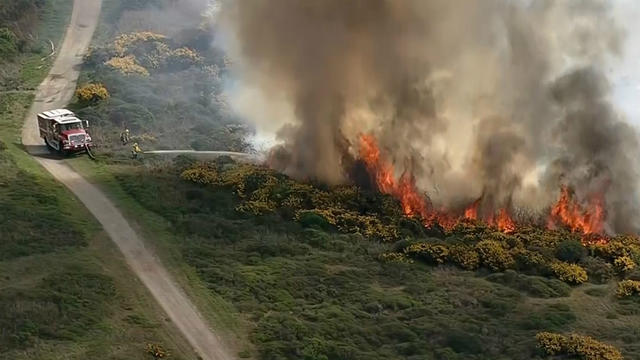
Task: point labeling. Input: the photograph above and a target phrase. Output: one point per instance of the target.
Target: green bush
(134, 116)
(570, 251)
(554, 317)
(462, 342)
(313, 220)
(8, 44)
(535, 286)
(599, 270)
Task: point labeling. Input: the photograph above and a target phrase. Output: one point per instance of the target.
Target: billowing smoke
(500, 99)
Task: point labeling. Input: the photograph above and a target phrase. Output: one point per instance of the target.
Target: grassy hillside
(300, 271)
(164, 81)
(66, 293)
(27, 30)
(312, 291)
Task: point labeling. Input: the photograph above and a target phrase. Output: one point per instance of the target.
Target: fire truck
(64, 132)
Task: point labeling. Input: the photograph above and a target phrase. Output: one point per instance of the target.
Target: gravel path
(55, 92)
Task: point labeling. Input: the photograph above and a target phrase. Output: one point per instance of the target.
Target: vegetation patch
(535, 286)
(155, 83)
(63, 306)
(33, 220)
(314, 290)
(582, 347)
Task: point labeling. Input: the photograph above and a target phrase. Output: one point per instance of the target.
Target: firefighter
(135, 151)
(124, 136)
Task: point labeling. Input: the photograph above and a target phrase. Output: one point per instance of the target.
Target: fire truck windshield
(71, 126)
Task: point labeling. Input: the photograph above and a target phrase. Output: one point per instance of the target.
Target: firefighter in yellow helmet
(135, 151)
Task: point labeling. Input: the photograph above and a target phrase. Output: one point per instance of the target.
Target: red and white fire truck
(64, 132)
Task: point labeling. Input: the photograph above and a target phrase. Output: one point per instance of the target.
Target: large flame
(570, 213)
(471, 212)
(567, 212)
(415, 204)
(503, 221)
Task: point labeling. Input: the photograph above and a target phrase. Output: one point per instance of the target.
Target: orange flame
(503, 222)
(471, 212)
(415, 204)
(568, 212)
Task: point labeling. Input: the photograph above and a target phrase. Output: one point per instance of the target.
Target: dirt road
(55, 92)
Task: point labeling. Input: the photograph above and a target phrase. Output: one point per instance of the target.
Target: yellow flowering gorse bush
(569, 273)
(127, 65)
(580, 346)
(628, 288)
(92, 93)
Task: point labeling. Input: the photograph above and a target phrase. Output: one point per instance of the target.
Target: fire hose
(88, 148)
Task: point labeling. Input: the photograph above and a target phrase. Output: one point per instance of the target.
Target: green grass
(56, 15)
(26, 71)
(158, 232)
(309, 294)
(65, 290)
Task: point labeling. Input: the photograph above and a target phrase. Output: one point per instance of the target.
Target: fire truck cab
(63, 131)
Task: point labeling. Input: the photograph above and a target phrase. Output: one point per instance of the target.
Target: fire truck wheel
(61, 150)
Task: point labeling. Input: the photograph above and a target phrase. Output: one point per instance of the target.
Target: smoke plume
(499, 99)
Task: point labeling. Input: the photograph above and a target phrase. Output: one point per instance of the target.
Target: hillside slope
(55, 92)
(66, 291)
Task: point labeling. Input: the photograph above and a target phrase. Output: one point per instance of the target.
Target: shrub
(311, 219)
(394, 257)
(494, 256)
(91, 93)
(135, 116)
(464, 256)
(628, 288)
(535, 286)
(8, 43)
(552, 344)
(156, 351)
(569, 273)
(432, 253)
(528, 260)
(570, 251)
(583, 347)
(125, 42)
(182, 58)
(598, 269)
(201, 174)
(624, 264)
(551, 317)
(350, 222)
(617, 247)
(127, 65)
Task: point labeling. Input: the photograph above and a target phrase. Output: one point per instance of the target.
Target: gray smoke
(501, 99)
